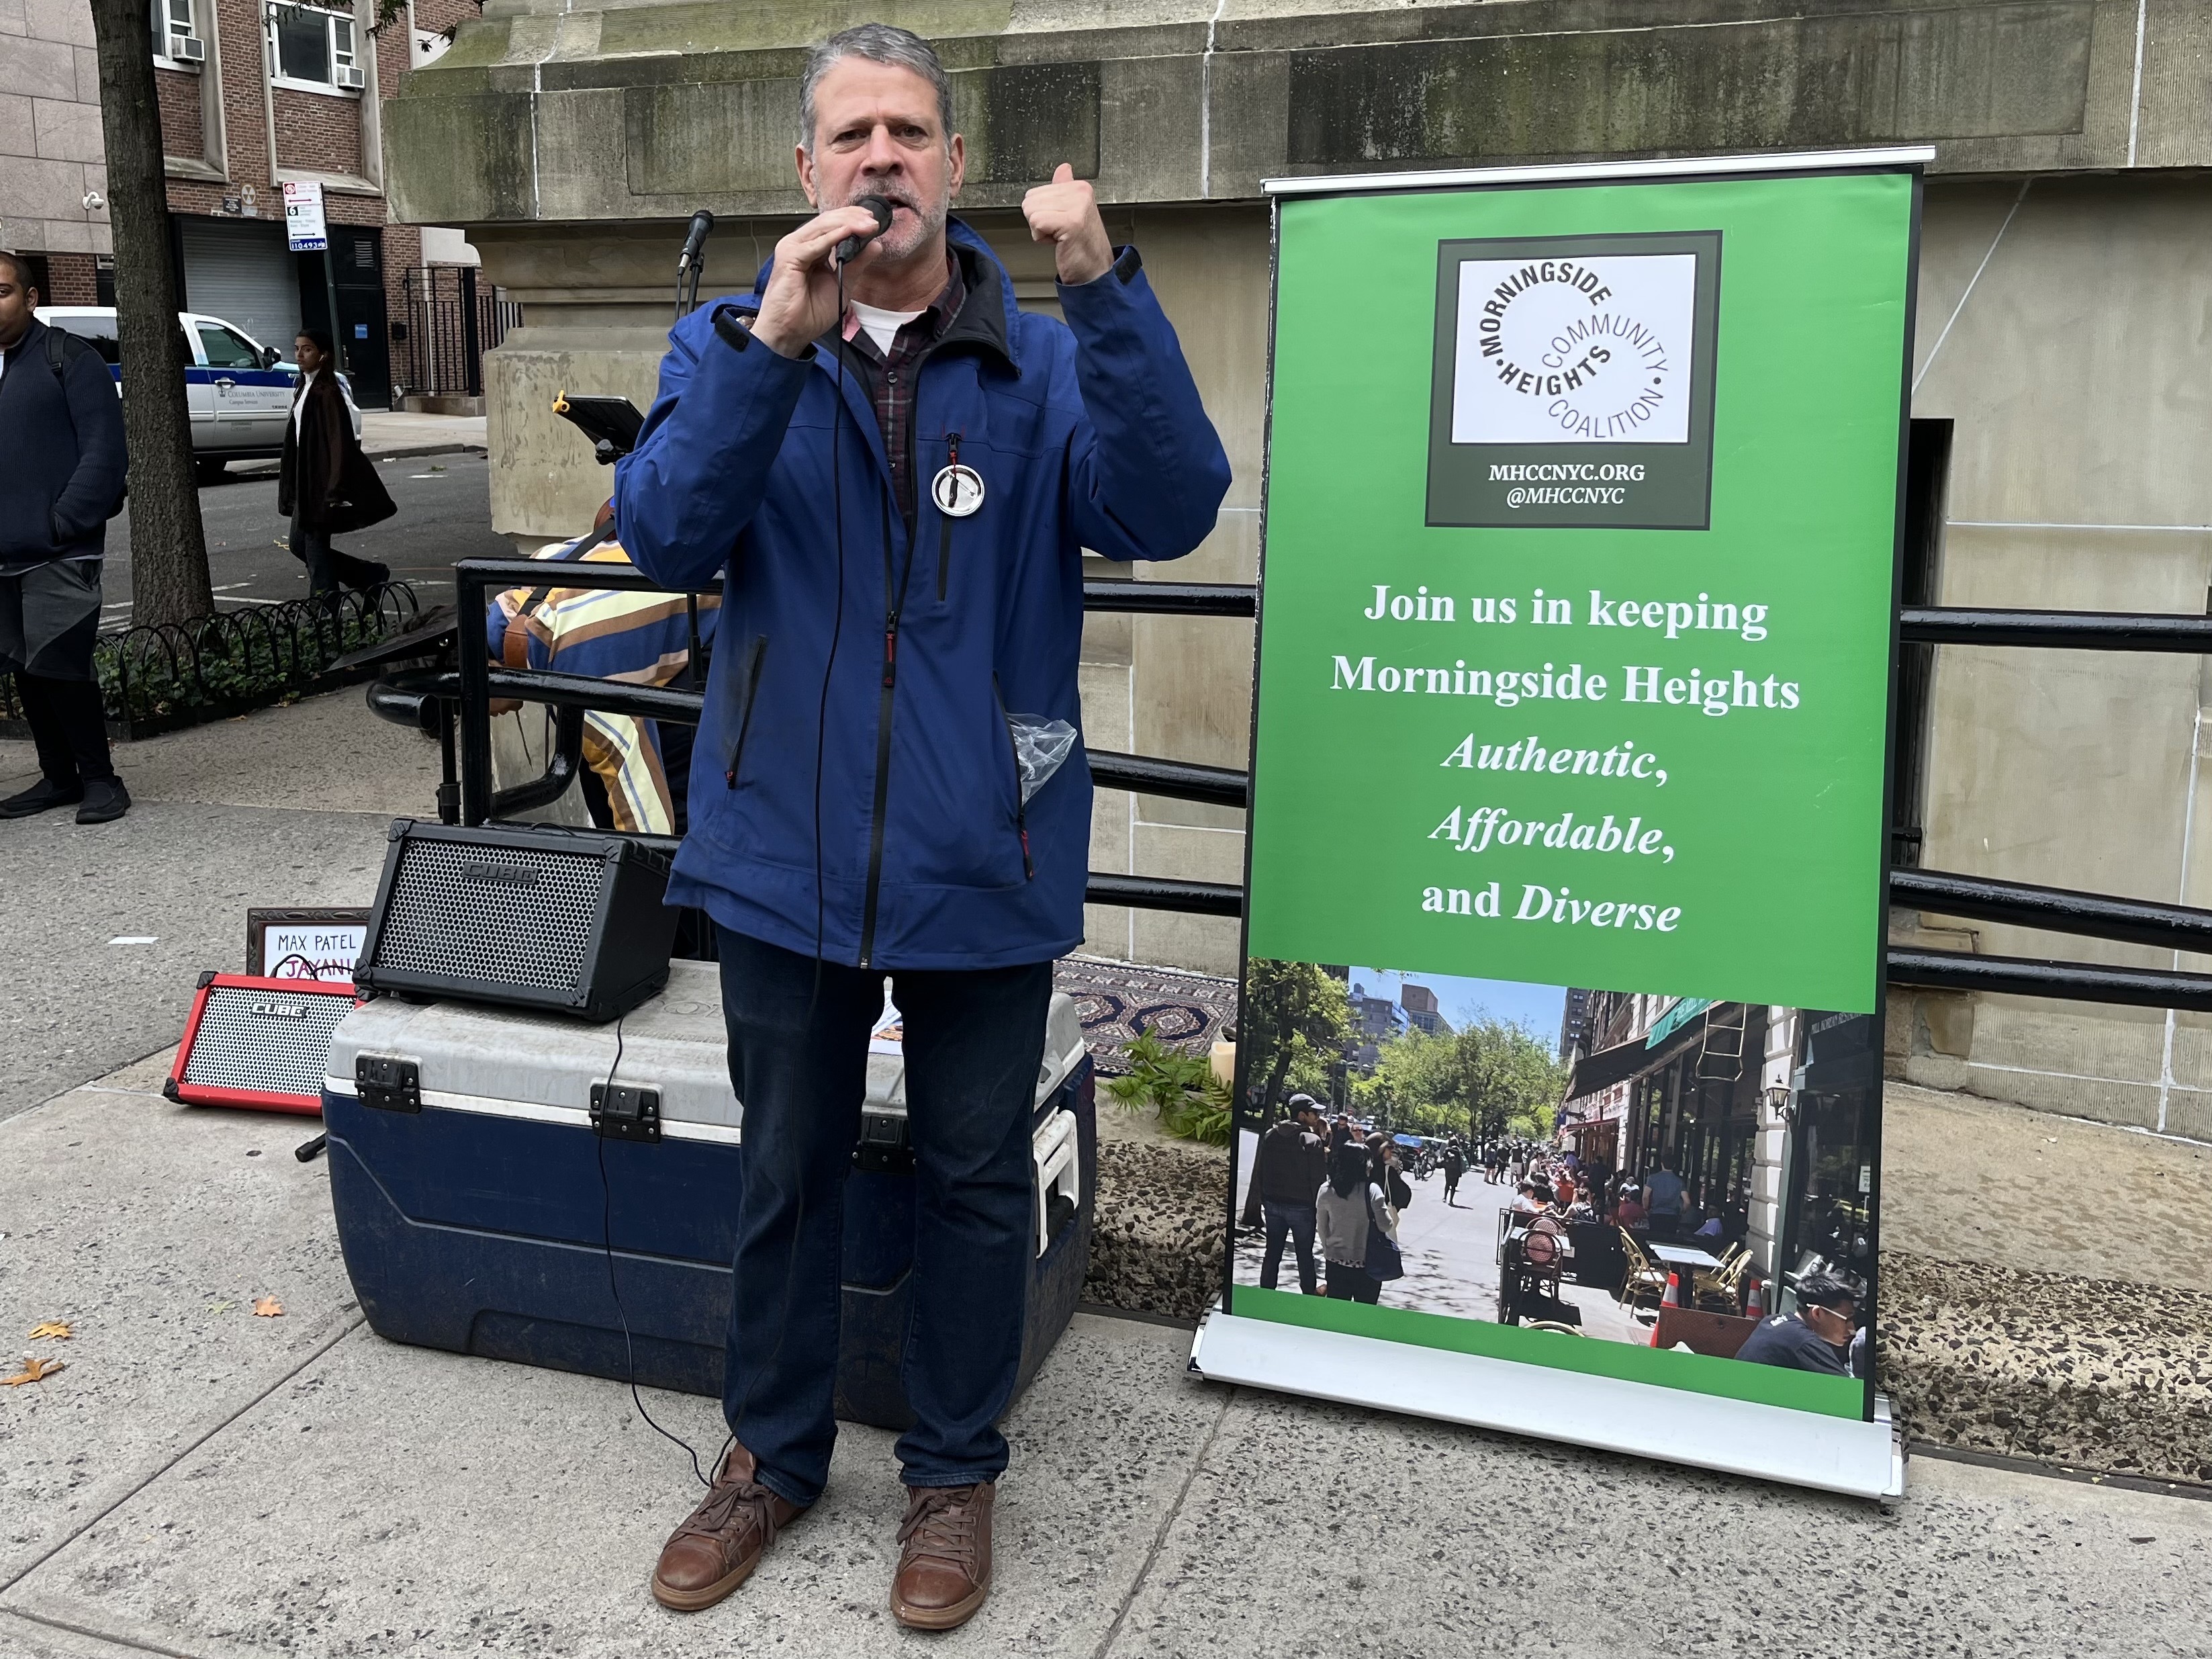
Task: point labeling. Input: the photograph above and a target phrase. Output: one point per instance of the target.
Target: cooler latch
(621, 1112)
(385, 1084)
(1057, 1148)
(883, 1148)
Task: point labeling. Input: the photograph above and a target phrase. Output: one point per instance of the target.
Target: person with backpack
(1357, 1236)
(61, 428)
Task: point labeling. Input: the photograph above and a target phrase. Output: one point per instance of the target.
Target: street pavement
(1451, 1252)
(204, 1482)
(445, 514)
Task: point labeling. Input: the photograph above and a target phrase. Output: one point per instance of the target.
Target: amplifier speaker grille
(516, 915)
(261, 1043)
(273, 1043)
(519, 915)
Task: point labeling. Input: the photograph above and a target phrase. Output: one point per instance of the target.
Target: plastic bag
(1041, 746)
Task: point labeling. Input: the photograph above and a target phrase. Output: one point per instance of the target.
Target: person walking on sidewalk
(898, 467)
(61, 430)
(324, 482)
(1454, 1167)
(1290, 1163)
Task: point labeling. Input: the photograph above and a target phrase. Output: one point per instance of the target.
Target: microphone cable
(607, 1245)
(837, 623)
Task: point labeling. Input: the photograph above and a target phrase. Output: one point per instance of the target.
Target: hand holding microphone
(800, 302)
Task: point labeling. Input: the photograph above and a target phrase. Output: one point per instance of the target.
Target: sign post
(1567, 844)
(307, 232)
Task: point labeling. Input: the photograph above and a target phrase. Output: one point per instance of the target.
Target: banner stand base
(1736, 1436)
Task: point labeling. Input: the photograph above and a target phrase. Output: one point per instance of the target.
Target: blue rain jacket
(1086, 435)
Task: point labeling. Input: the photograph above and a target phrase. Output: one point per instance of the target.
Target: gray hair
(880, 42)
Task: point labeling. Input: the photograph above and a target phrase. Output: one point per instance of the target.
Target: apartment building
(253, 94)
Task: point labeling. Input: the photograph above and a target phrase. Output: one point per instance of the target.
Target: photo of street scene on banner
(1666, 1171)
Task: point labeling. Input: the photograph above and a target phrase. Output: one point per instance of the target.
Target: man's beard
(904, 237)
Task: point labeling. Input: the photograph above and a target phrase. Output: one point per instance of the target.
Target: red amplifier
(258, 1043)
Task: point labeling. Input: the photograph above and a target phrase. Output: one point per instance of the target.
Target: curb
(269, 469)
(411, 452)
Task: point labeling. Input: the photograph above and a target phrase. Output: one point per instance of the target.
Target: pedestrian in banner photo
(1818, 1337)
(897, 469)
(1290, 1163)
(1454, 1167)
(325, 484)
(1349, 1208)
(61, 432)
(1664, 1195)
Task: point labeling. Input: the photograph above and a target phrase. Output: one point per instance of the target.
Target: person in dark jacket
(61, 430)
(1817, 1337)
(1288, 1170)
(899, 469)
(325, 484)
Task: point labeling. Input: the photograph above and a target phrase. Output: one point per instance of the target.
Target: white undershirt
(299, 403)
(883, 326)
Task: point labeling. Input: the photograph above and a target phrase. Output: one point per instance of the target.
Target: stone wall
(2057, 329)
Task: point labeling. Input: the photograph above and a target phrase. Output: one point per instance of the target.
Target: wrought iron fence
(450, 319)
(160, 678)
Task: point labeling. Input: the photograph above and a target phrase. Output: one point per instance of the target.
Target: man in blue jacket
(898, 470)
(61, 430)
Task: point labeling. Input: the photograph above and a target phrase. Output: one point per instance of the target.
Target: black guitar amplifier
(519, 915)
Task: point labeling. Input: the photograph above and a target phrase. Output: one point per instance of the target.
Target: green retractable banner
(1565, 865)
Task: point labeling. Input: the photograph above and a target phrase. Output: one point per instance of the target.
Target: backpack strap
(57, 345)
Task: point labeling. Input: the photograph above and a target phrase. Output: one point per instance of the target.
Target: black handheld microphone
(695, 238)
(849, 249)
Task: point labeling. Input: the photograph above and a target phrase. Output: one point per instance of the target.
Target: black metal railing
(2096, 915)
(157, 678)
(448, 320)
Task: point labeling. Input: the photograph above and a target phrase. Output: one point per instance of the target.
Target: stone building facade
(2065, 270)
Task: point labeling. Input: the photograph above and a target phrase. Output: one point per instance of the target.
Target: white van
(240, 391)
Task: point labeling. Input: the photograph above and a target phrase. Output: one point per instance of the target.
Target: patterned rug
(1120, 1001)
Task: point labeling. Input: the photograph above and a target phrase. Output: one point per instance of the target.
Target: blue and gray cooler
(466, 1144)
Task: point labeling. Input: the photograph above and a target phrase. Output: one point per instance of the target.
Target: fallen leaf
(56, 1328)
(34, 1370)
(268, 1308)
(220, 1307)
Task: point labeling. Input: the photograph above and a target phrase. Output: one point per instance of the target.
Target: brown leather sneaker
(945, 1569)
(717, 1548)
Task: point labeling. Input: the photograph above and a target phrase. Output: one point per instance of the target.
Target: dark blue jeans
(1298, 1221)
(798, 1063)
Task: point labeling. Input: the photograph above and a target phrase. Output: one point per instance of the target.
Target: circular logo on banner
(958, 491)
(1594, 350)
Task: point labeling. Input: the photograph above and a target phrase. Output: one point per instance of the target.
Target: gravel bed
(1158, 1228)
(2088, 1372)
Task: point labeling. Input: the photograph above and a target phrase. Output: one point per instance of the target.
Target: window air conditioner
(350, 76)
(187, 48)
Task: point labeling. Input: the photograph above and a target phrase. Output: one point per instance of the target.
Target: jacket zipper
(754, 656)
(1021, 807)
(892, 607)
(944, 535)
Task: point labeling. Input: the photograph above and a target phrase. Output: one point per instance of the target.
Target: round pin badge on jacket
(958, 491)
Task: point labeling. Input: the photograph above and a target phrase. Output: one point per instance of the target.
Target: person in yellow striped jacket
(636, 770)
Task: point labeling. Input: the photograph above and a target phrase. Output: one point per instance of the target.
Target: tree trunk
(169, 580)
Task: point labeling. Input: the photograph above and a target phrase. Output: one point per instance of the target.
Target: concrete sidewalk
(204, 1482)
(394, 431)
(395, 435)
(201, 1481)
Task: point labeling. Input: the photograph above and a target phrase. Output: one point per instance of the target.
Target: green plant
(1190, 1102)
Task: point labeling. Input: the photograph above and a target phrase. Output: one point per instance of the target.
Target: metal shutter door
(241, 272)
